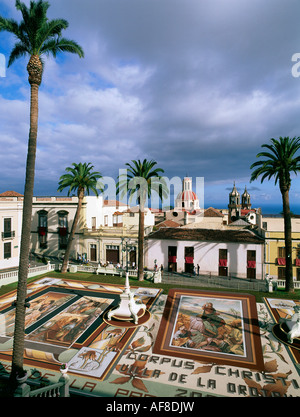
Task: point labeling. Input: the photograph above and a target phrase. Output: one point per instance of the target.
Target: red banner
(281, 261)
(173, 259)
(297, 262)
(222, 262)
(251, 264)
(42, 231)
(189, 260)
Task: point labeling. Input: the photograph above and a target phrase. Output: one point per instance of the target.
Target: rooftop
(11, 194)
(206, 235)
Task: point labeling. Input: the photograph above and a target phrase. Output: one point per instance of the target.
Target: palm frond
(80, 177)
(38, 34)
(280, 161)
(139, 181)
(54, 46)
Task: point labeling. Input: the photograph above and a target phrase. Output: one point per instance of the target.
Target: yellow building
(275, 247)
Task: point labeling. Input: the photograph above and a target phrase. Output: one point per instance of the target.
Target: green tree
(280, 161)
(82, 179)
(36, 36)
(139, 181)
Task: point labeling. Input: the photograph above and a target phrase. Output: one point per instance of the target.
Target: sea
(277, 209)
(267, 208)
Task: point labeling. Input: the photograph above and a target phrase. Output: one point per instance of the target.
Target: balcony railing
(8, 235)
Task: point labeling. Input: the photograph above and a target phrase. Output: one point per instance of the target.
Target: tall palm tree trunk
(289, 283)
(72, 233)
(19, 332)
(141, 242)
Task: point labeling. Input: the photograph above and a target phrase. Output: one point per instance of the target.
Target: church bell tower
(234, 206)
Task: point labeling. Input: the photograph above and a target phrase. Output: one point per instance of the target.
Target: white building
(52, 219)
(107, 226)
(11, 209)
(237, 253)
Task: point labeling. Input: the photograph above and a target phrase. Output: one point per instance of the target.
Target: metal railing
(214, 281)
(12, 276)
(8, 235)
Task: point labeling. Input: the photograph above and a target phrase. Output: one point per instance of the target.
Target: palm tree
(80, 178)
(280, 161)
(139, 181)
(36, 36)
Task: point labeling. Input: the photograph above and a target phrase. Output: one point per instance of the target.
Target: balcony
(8, 235)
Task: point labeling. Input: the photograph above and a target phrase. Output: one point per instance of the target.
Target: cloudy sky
(196, 85)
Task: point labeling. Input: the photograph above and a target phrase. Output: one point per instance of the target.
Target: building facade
(52, 219)
(236, 253)
(11, 210)
(275, 247)
(109, 228)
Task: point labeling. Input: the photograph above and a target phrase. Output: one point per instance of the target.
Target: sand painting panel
(39, 308)
(67, 326)
(210, 326)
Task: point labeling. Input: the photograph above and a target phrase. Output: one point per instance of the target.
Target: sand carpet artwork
(189, 343)
(281, 311)
(65, 324)
(211, 326)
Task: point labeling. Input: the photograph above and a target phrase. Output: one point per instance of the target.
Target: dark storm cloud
(196, 85)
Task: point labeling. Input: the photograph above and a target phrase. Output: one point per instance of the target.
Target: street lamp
(128, 307)
(127, 247)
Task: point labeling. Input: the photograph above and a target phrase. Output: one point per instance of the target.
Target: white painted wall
(206, 254)
(11, 208)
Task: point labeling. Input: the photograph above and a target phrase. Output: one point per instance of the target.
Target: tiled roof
(212, 212)
(206, 235)
(113, 203)
(167, 223)
(11, 194)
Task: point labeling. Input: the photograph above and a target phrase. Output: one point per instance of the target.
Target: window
(223, 267)
(62, 229)
(105, 220)
(63, 219)
(7, 229)
(189, 258)
(62, 242)
(43, 219)
(93, 223)
(281, 252)
(281, 272)
(42, 228)
(7, 250)
(172, 258)
(223, 254)
(251, 264)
